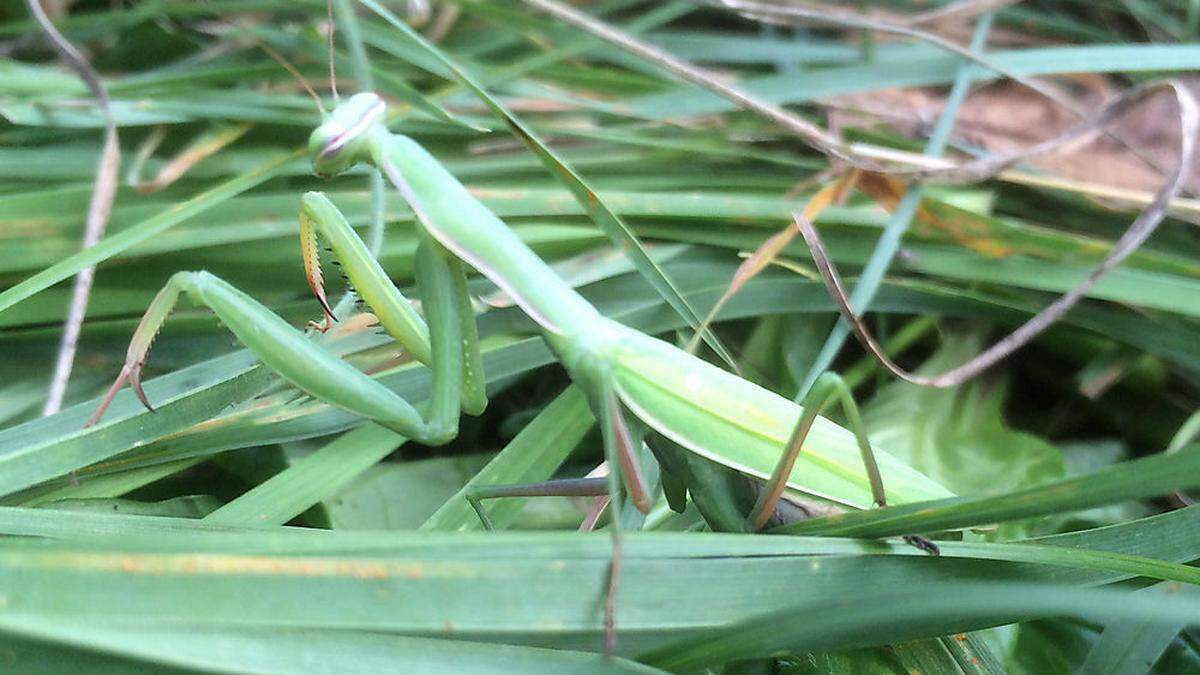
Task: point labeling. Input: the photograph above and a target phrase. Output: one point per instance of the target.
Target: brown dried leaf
(770, 249)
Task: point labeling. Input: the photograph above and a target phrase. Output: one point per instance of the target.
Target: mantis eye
(338, 143)
(328, 150)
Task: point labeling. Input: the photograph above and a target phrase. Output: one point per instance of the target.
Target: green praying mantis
(710, 427)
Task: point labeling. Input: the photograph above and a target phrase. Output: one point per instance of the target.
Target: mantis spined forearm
(634, 383)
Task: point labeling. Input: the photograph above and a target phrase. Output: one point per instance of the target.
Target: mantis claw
(131, 374)
(330, 319)
(135, 383)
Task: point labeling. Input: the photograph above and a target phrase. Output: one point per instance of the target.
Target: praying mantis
(708, 423)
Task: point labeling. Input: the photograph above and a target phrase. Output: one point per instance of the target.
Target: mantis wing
(741, 425)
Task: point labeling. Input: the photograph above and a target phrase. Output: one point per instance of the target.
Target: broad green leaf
(401, 495)
(958, 436)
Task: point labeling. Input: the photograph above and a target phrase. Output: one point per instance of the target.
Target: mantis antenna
(296, 74)
(332, 69)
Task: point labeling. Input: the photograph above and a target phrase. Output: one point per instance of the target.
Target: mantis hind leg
(829, 387)
(564, 487)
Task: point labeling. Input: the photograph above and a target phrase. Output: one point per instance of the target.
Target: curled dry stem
(1137, 233)
(894, 163)
(104, 191)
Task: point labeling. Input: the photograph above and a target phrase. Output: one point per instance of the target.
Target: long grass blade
(602, 215)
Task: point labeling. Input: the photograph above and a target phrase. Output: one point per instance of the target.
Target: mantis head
(339, 143)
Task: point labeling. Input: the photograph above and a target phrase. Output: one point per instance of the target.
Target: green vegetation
(245, 526)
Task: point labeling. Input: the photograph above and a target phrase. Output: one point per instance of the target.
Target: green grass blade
(602, 215)
(52, 446)
(889, 240)
(230, 649)
(310, 480)
(116, 243)
(922, 71)
(855, 622)
(532, 455)
(1132, 647)
(99, 487)
(540, 588)
(1139, 479)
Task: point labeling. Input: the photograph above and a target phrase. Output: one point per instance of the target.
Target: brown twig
(1141, 228)
(99, 207)
(852, 20)
(963, 9)
(818, 138)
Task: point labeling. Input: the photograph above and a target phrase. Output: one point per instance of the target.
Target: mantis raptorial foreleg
(449, 344)
(440, 278)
